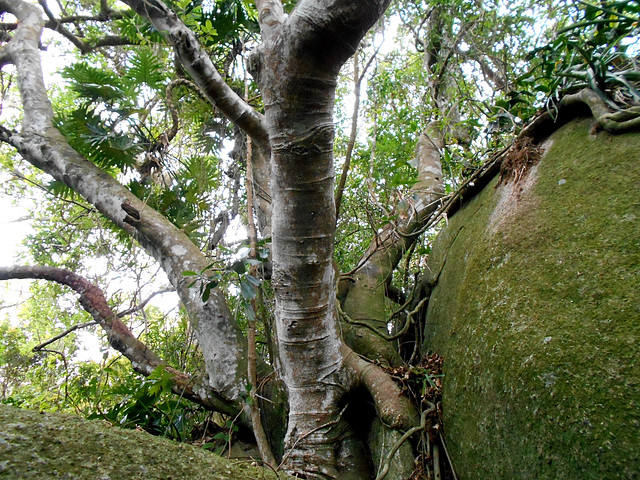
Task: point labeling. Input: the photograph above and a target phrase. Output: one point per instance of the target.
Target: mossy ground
(55, 446)
(537, 317)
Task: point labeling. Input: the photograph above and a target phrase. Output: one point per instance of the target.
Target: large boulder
(54, 446)
(536, 311)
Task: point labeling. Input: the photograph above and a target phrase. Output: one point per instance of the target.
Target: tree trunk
(297, 68)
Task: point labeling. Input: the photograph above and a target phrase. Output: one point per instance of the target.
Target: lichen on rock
(537, 316)
(55, 446)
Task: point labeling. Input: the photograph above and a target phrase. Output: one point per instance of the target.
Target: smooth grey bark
(296, 67)
(41, 144)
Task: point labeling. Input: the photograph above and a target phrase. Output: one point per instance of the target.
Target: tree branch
(198, 64)
(357, 82)
(254, 407)
(270, 15)
(142, 359)
(143, 304)
(42, 145)
(330, 31)
(69, 330)
(57, 24)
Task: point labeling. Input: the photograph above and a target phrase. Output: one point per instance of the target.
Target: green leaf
(239, 267)
(93, 83)
(147, 68)
(252, 280)
(249, 312)
(247, 290)
(206, 293)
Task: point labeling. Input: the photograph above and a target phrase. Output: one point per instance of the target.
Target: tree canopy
(283, 167)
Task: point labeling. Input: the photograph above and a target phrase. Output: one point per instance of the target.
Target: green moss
(538, 318)
(47, 446)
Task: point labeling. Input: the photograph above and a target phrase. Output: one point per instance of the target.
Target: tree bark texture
(297, 68)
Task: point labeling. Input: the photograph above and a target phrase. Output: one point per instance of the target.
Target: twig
(47, 191)
(143, 304)
(446, 452)
(388, 338)
(40, 347)
(354, 132)
(64, 358)
(274, 470)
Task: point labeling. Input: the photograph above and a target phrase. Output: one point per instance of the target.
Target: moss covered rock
(49, 446)
(536, 311)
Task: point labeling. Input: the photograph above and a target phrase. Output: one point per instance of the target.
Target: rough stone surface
(54, 446)
(537, 316)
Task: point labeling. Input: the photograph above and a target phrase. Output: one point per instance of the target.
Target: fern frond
(146, 67)
(94, 84)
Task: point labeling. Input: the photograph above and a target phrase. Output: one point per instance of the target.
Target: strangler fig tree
(320, 348)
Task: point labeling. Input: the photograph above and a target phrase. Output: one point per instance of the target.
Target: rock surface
(54, 446)
(536, 311)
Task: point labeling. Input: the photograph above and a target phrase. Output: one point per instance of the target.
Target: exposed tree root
(423, 425)
(586, 100)
(612, 122)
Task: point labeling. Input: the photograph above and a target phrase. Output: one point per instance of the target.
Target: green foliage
(450, 61)
(146, 68)
(219, 24)
(594, 51)
(14, 359)
(94, 84)
(117, 127)
(98, 140)
(137, 30)
(151, 405)
(173, 339)
(55, 380)
(240, 268)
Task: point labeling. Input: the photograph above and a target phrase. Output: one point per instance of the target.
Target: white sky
(14, 225)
